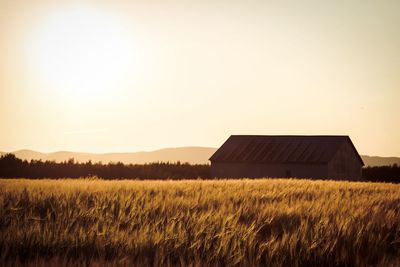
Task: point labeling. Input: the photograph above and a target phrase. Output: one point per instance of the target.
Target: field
(276, 222)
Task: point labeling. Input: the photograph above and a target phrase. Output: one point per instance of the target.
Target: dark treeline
(382, 173)
(13, 167)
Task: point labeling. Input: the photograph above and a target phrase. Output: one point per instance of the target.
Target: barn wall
(251, 170)
(345, 164)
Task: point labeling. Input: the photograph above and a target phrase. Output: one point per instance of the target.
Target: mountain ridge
(193, 155)
(190, 154)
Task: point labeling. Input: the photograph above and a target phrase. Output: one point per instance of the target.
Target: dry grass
(275, 222)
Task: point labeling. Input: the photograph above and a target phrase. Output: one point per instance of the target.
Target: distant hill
(380, 161)
(193, 155)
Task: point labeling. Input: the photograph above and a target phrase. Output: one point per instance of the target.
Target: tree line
(13, 167)
(390, 173)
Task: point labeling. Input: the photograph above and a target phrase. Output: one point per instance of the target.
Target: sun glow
(83, 52)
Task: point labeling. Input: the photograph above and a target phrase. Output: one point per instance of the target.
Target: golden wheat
(276, 222)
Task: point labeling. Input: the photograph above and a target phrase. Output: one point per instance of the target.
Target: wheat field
(263, 222)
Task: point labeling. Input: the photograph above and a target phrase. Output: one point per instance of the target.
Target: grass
(276, 222)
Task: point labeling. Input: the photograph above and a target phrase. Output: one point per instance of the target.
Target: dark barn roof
(280, 149)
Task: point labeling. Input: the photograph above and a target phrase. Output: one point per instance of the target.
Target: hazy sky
(102, 76)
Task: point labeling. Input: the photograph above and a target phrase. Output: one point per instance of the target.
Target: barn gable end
(346, 163)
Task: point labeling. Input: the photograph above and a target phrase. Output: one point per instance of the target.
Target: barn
(325, 157)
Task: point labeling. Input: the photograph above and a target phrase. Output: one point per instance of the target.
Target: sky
(124, 76)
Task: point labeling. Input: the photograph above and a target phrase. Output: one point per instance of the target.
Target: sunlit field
(275, 222)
